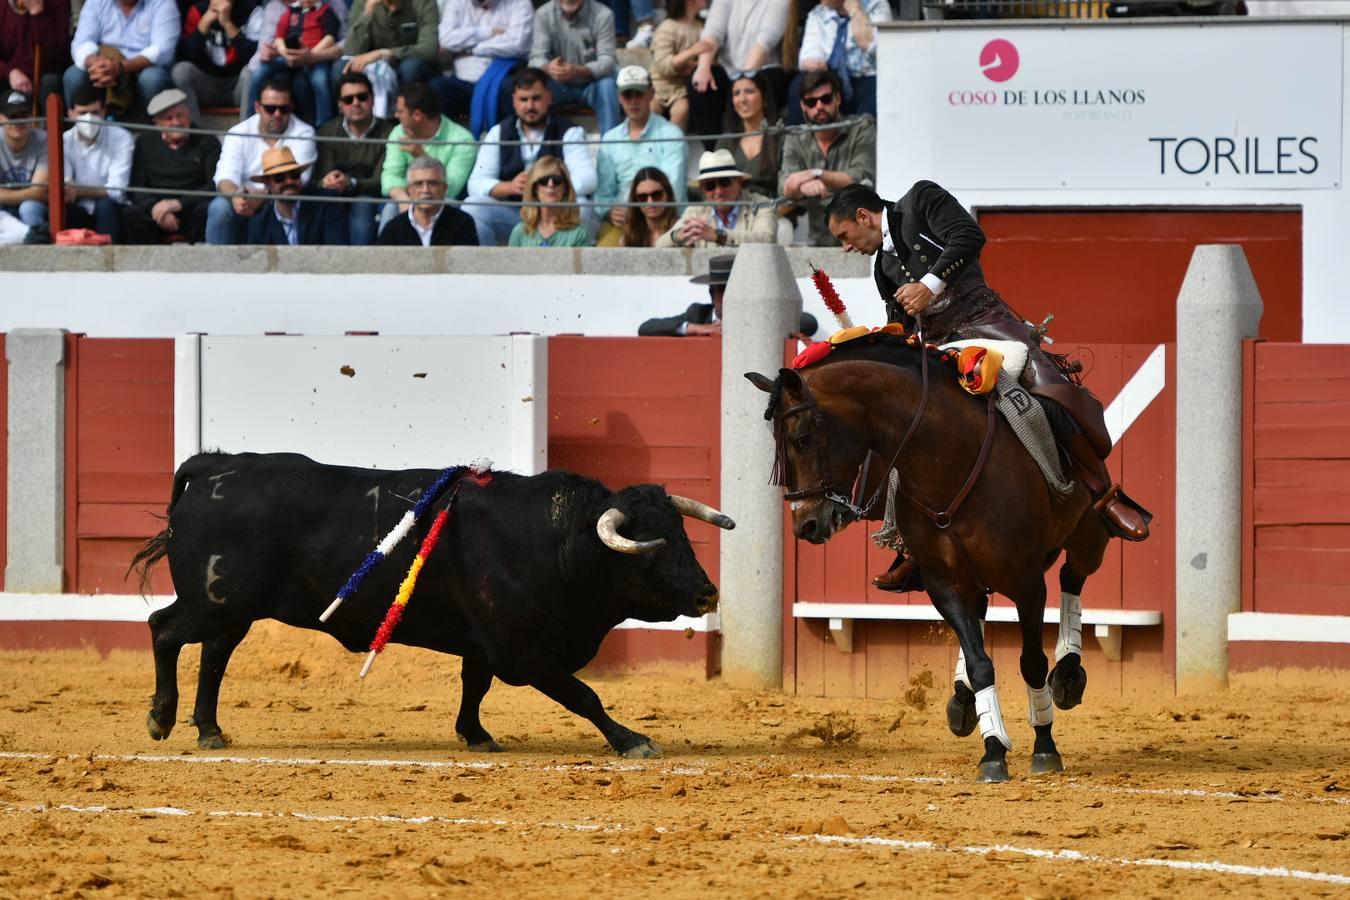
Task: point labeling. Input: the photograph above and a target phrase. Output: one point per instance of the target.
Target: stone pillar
(37, 460)
(762, 307)
(1218, 307)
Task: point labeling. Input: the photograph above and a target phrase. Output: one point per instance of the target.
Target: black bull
(529, 575)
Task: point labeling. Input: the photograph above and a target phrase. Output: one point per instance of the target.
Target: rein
(942, 519)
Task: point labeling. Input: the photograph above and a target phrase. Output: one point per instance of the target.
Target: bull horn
(702, 511)
(608, 529)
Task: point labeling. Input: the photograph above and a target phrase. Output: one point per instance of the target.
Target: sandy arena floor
(334, 785)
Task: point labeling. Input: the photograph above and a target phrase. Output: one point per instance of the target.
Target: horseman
(929, 267)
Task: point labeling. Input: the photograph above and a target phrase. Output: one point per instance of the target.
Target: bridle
(942, 518)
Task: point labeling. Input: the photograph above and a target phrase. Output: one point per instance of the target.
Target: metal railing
(56, 182)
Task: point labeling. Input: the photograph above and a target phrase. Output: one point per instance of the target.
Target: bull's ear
(762, 382)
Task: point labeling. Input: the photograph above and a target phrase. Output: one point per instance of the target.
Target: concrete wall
(172, 290)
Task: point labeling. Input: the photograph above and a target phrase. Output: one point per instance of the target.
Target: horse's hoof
(644, 750)
(994, 771)
(488, 746)
(961, 715)
(1067, 684)
(157, 731)
(214, 740)
(1046, 762)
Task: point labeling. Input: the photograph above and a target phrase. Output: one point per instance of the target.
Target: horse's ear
(760, 381)
(791, 380)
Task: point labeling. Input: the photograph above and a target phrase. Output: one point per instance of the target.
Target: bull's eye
(801, 440)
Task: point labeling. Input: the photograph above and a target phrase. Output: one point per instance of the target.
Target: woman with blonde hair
(647, 223)
(547, 225)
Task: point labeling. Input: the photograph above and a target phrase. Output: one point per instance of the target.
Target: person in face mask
(98, 166)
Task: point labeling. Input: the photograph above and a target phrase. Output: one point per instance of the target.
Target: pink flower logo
(999, 60)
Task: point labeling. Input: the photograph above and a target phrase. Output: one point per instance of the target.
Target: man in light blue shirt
(121, 45)
(634, 144)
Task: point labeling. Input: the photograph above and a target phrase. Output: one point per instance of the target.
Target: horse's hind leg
(963, 615)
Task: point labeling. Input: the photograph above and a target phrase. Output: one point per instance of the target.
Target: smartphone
(293, 43)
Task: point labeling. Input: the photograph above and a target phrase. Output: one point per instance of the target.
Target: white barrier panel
(374, 401)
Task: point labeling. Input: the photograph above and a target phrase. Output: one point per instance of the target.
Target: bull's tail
(155, 549)
(149, 553)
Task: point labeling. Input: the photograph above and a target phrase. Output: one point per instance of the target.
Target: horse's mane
(891, 349)
(881, 347)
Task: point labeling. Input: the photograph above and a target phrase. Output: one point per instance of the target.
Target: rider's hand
(914, 297)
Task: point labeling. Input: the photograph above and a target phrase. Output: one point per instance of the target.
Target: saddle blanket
(1023, 413)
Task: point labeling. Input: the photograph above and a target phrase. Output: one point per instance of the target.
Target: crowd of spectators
(488, 91)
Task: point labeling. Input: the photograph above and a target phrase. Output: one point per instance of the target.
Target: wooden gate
(1130, 600)
(1296, 500)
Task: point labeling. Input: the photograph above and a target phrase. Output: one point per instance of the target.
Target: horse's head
(819, 453)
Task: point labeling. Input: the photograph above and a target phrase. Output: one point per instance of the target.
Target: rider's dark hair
(848, 200)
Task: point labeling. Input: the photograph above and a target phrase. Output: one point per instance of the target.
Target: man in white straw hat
(722, 222)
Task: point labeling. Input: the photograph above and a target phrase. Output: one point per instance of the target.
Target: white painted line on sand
(1078, 856)
(640, 767)
(1078, 786)
(303, 816)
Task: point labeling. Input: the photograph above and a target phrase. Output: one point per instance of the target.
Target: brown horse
(975, 511)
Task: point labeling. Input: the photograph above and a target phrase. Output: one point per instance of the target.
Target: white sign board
(1126, 107)
(374, 401)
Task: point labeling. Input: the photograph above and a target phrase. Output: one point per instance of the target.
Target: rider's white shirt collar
(887, 244)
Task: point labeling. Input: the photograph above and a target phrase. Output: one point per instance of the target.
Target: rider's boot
(1122, 516)
(897, 577)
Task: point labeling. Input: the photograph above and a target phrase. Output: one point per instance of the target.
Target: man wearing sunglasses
(241, 155)
(818, 163)
(723, 221)
(288, 219)
(353, 170)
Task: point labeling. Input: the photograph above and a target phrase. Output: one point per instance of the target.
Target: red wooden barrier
(1300, 479)
(633, 410)
(119, 460)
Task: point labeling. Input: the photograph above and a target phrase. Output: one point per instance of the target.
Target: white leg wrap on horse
(961, 675)
(991, 717)
(1070, 626)
(1040, 711)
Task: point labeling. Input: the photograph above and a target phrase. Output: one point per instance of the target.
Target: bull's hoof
(961, 715)
(1042, 763)
(994, 771)
(488, 746)
(644, 750)
(157, 731)
(213, 740)
(1067, 683)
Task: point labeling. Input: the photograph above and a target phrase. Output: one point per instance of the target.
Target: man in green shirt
(418, 111)
(816, 164)
(399, 32)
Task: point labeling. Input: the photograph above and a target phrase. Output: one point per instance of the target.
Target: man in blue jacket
(284, 221)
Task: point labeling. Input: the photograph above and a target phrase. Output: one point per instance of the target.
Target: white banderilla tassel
(991, 717)
(961, 677)
(1070, 626)
(1040, 711)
